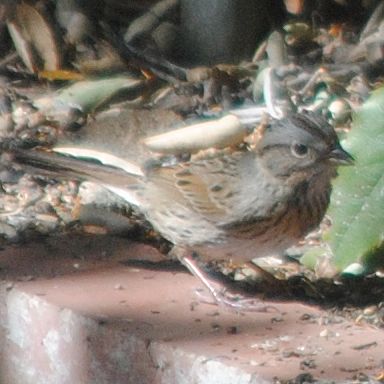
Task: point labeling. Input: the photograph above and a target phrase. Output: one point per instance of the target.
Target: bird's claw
(235, 302)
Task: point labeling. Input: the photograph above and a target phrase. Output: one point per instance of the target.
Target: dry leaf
(34, 39)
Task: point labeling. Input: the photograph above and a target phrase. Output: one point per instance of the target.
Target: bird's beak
(341, 157)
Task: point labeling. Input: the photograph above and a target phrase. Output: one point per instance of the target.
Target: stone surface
(73, 311)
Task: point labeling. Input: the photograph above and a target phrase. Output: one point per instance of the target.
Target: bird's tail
(58, 166)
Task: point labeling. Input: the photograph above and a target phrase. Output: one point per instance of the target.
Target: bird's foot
(234, 302)
(223, 297)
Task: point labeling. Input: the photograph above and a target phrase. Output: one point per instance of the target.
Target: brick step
(72, 311)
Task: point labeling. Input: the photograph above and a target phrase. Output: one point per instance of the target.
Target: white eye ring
(299, 150)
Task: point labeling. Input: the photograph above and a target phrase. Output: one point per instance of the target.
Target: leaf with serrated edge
(357, 203)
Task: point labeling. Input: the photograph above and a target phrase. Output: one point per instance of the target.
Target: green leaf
(86, 95)
(89, 94)
(311, 256)
(357, 203)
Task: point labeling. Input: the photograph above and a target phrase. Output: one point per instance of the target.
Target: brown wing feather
(207, 186)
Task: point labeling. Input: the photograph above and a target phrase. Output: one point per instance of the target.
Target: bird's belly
(269, 237)
(246, 239)
(243, 250)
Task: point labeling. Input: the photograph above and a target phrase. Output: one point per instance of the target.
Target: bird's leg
(223, 297)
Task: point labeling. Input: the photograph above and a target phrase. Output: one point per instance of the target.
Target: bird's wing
(209, 187)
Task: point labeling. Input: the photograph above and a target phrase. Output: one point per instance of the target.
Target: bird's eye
(299, 150)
